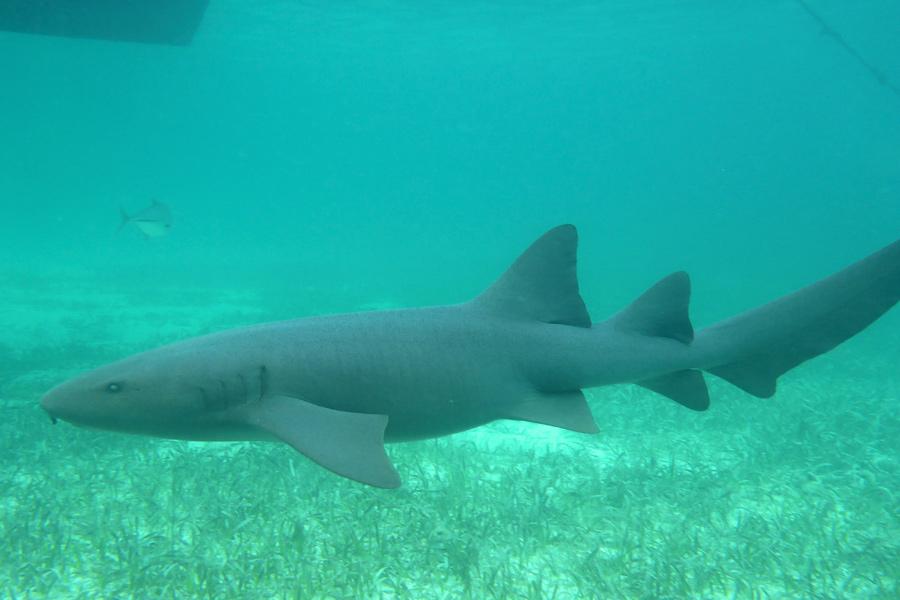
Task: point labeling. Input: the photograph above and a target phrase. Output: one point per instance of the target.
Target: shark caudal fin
(762, 344)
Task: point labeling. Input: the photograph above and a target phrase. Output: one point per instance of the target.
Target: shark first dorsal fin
(542, 284)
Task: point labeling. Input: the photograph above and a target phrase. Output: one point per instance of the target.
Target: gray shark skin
(153, 221)
(337, 388)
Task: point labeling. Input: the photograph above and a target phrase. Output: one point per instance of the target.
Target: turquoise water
(326, 157)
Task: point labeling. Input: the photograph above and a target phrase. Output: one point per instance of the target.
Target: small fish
(153, 221)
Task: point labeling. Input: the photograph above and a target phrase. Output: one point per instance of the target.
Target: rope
(827, 29)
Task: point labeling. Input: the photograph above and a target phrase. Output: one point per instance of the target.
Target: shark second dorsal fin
(542, 284)
(661, 311)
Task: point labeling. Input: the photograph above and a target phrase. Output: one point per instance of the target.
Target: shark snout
(53, 405)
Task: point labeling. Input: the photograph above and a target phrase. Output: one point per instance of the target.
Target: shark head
(147, 394)
(202, 390)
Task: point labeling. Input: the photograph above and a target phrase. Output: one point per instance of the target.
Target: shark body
(337, 388)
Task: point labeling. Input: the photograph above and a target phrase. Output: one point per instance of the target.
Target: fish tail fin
(125, 219)
(753, 349)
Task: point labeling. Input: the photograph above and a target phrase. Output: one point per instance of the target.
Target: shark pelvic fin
(542, 284)
(566, 410)
(349, 444)
(687, 388)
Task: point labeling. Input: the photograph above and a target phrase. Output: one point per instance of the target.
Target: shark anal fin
(566, 410)
(687, 388)
(542, 284)
(349, 444)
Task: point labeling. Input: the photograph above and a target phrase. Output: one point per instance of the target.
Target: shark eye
(113, 388)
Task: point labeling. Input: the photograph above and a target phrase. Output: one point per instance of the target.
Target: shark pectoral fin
(349, 444)
(687, 388)
(566, 410)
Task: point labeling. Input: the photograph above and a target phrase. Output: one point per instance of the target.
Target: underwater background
(325, 157)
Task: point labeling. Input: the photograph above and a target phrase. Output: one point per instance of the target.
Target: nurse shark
(337, 388)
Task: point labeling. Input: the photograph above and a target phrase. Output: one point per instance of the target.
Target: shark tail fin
(764, 343)
(125, 219)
